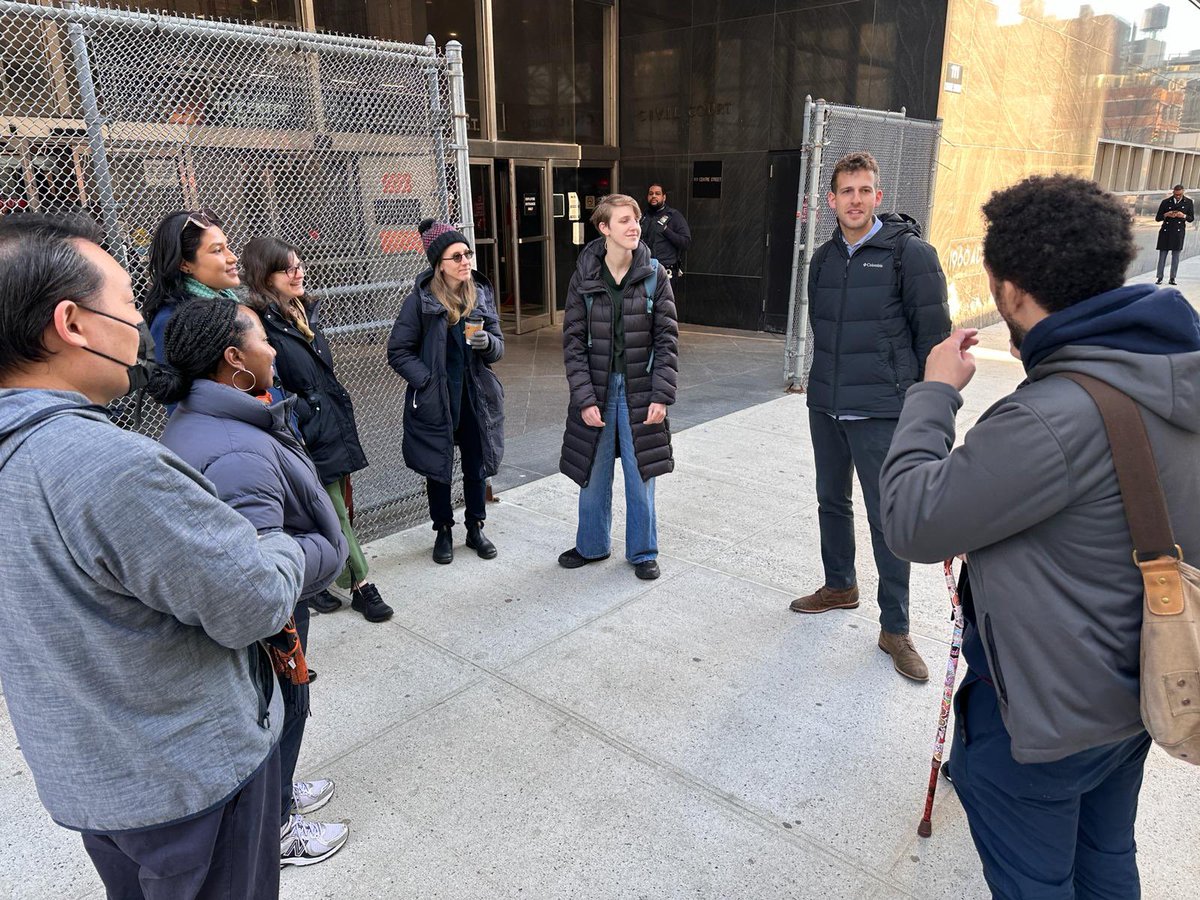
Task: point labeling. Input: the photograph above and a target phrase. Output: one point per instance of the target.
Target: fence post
(797, 238)
(458, 100)
(933, 172)
(899, 164)
(95, 138)
(800, 314)
(435, 105)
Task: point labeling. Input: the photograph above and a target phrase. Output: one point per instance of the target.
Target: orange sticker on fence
(399, 241)
(397, 183)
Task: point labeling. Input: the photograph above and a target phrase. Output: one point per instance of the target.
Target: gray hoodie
(131, 599)
(1033, 498)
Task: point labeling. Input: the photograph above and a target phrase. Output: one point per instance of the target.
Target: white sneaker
(303, 843)
(309, 796)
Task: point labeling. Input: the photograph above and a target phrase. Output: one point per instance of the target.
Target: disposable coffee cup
(474, 324)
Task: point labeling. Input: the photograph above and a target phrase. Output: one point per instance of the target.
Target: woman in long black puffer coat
(324, 412)
(453, 396)
(620, 347)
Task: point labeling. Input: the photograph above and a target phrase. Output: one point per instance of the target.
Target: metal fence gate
(338, 145)
(907, 152)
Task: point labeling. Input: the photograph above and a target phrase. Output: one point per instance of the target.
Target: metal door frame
(531, 323)
(489, 190)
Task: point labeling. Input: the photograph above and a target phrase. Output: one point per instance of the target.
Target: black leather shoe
(648, 570)
(572, 559)
(324, 602)
(480, 544)
(312, 675)
(443, 546)
(1170, 282)
(366, 600)
(1159, 281)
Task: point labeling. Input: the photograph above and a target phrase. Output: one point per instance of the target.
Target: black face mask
(139, 371)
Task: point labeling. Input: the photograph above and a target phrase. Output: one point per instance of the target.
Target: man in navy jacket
(877, 305)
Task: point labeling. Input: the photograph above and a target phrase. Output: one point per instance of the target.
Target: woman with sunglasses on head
(217, 362)
(275, 277)
(190, 258)
(444, 343)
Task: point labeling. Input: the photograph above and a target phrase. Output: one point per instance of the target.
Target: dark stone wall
(726, 80)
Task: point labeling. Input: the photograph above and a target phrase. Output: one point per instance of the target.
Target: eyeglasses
(468, 255)
(293, 271)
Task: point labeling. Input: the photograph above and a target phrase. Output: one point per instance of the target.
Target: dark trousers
(470, 444)
(232, 851)
(1162, 263)
(841, 448)
(295, 715)
(1051, 831)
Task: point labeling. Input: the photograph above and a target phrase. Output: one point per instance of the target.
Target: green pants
(356, 565)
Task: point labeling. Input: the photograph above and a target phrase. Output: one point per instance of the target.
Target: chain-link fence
(338, 145)
(906, 150)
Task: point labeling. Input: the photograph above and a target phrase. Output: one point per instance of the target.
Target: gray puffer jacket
(1032, 497)
(131, 602)
(245, 448)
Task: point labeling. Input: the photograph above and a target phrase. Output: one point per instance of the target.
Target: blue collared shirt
(850, 248)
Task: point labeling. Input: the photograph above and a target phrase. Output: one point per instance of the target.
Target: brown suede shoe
(826, 599)
(904, 655)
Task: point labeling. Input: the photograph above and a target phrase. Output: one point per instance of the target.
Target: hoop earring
(253, 380)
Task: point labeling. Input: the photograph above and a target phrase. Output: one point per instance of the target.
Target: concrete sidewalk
(518, 730)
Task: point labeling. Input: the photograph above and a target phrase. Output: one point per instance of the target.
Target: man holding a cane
(1049, 743)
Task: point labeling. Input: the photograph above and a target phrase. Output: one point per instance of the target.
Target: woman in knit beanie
(218, 367)
(444, 343)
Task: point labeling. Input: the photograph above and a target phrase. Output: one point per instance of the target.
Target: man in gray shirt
(131, 597)
(1049, 743)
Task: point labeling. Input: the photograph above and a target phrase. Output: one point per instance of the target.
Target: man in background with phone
(665, 231)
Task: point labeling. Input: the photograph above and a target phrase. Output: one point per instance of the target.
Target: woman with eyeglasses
(325, 414)
(444, 343)
(190, 257)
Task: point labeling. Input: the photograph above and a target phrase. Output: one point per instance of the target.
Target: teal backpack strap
(651, 290)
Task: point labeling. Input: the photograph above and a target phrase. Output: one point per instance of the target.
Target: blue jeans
(593, 538)
(1055, 831)
(841, 448)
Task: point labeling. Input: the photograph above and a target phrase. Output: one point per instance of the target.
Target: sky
(1183, 28)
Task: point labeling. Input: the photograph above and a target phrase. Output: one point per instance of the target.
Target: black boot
(443, 546)
(477, 542)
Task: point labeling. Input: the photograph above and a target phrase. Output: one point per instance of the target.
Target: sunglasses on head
(201, 220)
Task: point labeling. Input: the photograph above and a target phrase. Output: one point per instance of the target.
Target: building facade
(568, 100)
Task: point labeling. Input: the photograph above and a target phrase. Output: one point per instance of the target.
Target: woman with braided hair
(217, 367)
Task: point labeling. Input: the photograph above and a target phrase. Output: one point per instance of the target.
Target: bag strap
(1137, 472)
(651, 290)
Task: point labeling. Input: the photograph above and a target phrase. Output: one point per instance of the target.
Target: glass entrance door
(529, 216)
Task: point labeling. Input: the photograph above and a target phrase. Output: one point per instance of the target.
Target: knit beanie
(437, 236)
